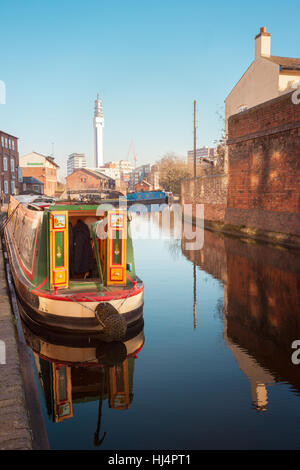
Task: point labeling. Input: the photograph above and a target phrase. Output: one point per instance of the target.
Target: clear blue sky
(148, 59)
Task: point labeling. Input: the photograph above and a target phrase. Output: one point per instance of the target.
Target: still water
(211, 369)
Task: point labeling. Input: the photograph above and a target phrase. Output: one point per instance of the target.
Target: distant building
(10, 174)
(75, 161)
(138, 174)
(111, 172)
(143, 186)
(42, 168)
(32, 185)
(208, 153)
(153, 177)
(125, 166)
(88, 180)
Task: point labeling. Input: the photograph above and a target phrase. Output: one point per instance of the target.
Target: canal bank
(21, 422)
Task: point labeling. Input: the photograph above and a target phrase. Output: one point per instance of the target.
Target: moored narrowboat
(73, 266)
(149, 197)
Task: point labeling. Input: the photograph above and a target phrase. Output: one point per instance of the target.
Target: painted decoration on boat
(24, 228)
(59, 249)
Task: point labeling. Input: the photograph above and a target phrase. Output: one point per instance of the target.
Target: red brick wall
(47, 176)
(264, 167)
(208, 190)
(81, 180)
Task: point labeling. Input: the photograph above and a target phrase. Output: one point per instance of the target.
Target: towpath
(15, 430)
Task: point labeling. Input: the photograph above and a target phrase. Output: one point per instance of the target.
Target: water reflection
(261, 307)
(75, 369)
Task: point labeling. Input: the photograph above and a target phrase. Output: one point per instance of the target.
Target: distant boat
(149, 197)
(70, 276)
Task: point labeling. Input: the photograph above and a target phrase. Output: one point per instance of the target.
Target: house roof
(285, 63)
(31, 180)
(144, 182)
(95, 173)
(51, 160)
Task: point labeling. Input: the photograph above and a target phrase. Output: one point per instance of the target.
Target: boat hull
(73, 312)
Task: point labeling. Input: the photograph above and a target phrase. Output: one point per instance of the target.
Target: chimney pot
(263, 29)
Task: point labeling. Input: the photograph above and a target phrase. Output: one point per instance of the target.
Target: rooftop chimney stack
(263, 44)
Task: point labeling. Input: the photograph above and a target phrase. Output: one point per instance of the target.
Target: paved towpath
(15, 430)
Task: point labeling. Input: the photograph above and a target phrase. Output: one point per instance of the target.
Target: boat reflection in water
(76, 369)
(260, 310)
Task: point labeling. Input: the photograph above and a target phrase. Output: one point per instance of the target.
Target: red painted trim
(63, 250)
(133, 282)
(92, 297)
(113, 247)
(42, 283)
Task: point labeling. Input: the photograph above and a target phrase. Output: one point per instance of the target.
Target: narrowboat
(73, 266)
(149, 197)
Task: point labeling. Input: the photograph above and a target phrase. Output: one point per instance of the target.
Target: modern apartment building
(75, 161)
(10, 174)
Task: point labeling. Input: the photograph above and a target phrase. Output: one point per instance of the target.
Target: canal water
(212, 367)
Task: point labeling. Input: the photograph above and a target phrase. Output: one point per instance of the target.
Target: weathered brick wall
(264, 167)
(208, 190)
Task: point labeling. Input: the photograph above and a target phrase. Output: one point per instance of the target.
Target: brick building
(31, 185)
(42, 168)
(9, 165)
(266, 78)
(143, 186)
(86, 180)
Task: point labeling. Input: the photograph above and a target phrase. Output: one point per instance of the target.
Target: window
(24, 186)
(12, 183)
(9, 143)
(5, 164)
(2, 141)
(6, 187)
(12, 165)
(6, 145)
(13, 144)
(36, 188)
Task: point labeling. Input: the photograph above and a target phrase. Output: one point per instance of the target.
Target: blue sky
(148, 59)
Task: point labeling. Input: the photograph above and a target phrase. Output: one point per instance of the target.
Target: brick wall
(208, 190)
(264, 167)
(47, 176)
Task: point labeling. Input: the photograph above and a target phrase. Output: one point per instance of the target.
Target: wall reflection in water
(261, 311)
(75, 370)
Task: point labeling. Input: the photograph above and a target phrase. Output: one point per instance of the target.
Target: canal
(211, 368)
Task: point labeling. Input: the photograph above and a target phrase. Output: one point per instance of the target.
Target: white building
(75, 161)
(209, 153)
(113, 173)
(99, 133)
